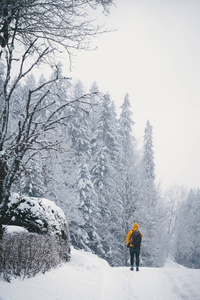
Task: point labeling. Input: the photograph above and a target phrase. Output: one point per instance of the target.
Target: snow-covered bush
(37, 215)
(41, 243)
(25, 254)
(40, 216)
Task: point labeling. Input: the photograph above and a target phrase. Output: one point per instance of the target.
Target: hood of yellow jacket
(135, 226)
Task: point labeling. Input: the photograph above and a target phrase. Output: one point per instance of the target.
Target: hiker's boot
(131, 268)
(137, 269)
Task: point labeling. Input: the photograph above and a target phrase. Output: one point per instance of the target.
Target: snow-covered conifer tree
(83, 223)
(95, 105)
(127, 187)
(32, 182)
(126, 124)
(104, 141)
(148, 208)
(187, 230)
(79, 127)
(148, 157)
(104, 167)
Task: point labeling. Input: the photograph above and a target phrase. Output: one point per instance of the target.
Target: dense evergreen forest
(104, 182)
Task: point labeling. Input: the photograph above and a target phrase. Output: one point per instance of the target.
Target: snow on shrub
(37, 215)
(14, 229)
(45, 244)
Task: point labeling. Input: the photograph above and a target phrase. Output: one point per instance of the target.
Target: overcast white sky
(154, 56)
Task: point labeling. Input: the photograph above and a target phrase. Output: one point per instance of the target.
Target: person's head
(135, 226)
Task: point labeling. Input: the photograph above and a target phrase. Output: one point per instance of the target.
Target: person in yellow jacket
(133, 241)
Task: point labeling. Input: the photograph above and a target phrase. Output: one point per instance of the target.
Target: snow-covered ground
(87, 277)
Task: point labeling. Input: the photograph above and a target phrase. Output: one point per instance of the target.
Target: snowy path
(151, 283)
(87, 277)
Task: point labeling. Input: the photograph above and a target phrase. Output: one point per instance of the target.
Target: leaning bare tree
(31, 33)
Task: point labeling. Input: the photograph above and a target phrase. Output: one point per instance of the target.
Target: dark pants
(136, 253)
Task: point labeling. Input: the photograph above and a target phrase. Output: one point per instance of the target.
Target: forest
(61, 142)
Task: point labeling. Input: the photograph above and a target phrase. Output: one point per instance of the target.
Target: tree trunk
(3, 210)
(4, 195)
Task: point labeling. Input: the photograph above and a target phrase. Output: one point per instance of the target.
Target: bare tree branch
(41, 28)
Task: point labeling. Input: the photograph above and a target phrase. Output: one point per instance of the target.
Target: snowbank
(87, 277)
(14, 229)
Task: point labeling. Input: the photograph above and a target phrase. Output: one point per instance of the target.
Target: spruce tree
(32, 182)
(104, 141)
(87, 237)
(148, 207)
(79, 126)
(188, 231)
(105, 153)
(148, 157)
(127, 186)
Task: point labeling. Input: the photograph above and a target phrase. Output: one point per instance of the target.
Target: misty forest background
(74, 147)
